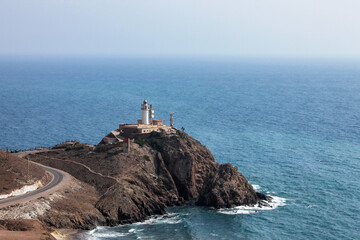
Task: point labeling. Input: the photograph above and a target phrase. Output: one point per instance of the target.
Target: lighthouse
(146, 125)
(145, 109)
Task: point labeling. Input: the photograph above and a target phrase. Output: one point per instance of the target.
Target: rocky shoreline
(161, 170)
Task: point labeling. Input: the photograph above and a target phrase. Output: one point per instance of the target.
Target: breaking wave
(170, 218)
(103, 233)
(130, 230)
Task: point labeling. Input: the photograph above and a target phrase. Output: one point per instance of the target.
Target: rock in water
(227, 188)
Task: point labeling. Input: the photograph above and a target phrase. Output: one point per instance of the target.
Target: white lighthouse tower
(145, 109)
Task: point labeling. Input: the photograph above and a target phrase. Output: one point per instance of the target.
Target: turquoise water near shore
(291, 127)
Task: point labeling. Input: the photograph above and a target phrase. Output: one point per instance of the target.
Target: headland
(136, 171)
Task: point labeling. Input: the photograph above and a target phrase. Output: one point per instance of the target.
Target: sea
(291, 126)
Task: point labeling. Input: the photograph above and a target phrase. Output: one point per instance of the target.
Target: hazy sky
(256, 28)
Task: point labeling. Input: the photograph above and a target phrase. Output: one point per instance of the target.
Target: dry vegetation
(14, 172)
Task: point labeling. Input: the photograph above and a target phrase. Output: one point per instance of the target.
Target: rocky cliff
(161, 170)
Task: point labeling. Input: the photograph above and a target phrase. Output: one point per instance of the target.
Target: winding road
(58, 179)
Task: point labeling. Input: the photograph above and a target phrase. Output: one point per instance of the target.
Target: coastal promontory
(136, 171)
(162, 169)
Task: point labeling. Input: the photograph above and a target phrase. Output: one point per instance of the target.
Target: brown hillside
(25, 229)
(13, 172)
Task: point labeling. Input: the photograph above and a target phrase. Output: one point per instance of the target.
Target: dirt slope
(14, 173)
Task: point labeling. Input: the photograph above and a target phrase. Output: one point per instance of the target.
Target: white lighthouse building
(145, 125)
(145, 109)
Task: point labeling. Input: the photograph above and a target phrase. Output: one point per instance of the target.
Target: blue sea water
(291, 127)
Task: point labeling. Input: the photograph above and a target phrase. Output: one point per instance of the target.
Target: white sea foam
(273, 204)
(109, 235)
(23, 190)
(214, 234)
(165, 219)
(104, 232)
(100, 233)
(255, 187)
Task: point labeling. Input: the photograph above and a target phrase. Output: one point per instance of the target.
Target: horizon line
(179, 57)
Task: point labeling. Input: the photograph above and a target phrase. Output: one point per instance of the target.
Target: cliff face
(227, 188)
(198, 177)
(162, 169)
